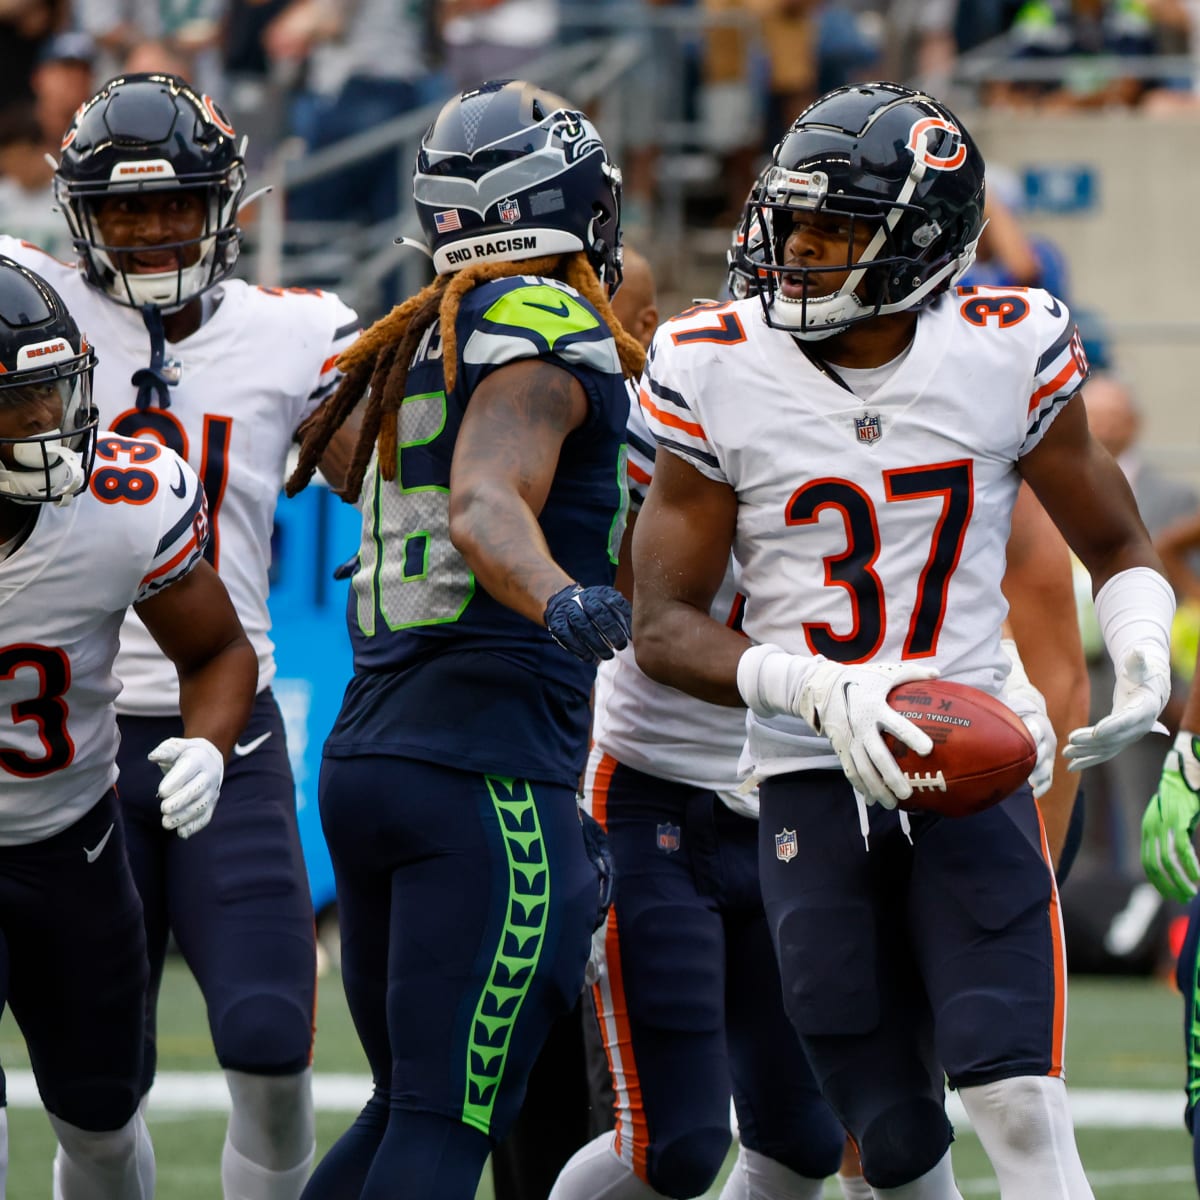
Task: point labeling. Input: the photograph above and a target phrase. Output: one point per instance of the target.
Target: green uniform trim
(550, 313)
(517, 954)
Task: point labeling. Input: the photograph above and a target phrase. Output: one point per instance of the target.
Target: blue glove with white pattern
(591, 622)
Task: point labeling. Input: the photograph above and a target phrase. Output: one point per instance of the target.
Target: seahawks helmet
(43, 358)
(152, 133)
(880, 154)
(508, 171)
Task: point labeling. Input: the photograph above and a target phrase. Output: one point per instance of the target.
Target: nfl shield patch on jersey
(668, 838)
(785, 845)
(868, 427)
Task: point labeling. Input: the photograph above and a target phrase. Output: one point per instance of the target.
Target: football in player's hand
(981, 753)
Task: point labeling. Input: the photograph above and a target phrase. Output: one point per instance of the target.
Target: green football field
(1124, 1056)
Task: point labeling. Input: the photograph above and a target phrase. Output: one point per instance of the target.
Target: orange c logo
(917, 143)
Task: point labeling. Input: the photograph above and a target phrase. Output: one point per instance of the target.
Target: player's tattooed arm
(505, 459)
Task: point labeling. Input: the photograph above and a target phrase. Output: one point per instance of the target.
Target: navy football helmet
(508, 171)
(880, 154)
(742, 277)
(44, 358)
(143, 133)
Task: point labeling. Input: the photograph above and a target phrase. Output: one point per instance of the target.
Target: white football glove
(1143, 688)
(847, 704)
(1030, 705)
(192, 772)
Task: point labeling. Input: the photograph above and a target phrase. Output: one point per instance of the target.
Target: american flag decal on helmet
(448, 221)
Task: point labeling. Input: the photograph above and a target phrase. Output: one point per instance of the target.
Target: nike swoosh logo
(559, 310)
(181, 490)
(1054, 308)
(92, 855)
(249, 748)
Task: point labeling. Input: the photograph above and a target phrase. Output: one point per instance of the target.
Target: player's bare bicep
(684, 534)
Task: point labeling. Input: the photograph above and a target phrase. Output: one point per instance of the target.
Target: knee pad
(814, 1146)
(96, 1107)
(904, 1142)
(686, 1166)
(264, 1034)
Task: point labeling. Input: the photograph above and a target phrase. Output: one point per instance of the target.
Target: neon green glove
(1168, 857)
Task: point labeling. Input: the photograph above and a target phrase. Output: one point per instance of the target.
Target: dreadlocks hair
(378, 361)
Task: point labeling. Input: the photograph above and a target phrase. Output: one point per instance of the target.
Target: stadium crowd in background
(326, 70)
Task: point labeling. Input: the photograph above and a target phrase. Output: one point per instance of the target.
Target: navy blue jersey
(444, 672)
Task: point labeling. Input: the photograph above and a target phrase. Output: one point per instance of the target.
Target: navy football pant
(689, 1001)
(466, 904)
(901, 958)
(235, 895)
(73, 967)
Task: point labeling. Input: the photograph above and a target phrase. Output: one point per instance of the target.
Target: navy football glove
(589, 622)
(595, 842)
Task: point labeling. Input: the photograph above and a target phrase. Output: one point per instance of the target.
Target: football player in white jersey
(856, 435)
(90, 524)
(150, 181)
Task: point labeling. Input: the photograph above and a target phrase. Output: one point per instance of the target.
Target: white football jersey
(139, 526)
(654, 728)
(868, 530)
(241, 384)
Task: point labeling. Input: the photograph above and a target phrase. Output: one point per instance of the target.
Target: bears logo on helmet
(44, 359)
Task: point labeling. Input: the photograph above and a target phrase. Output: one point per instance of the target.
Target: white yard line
(204, 1091)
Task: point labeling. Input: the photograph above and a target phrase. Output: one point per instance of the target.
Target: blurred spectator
(24, 25)
(367, 62)
(790, 31)
(26, 194)
(727, 100)
(1122, 784)
(258, 87)
(919, 41)
(493, 39)
(155, 55)
(1179, 21)
(62, 80)
(1091, 32)
(190, 31)
(1008, 255)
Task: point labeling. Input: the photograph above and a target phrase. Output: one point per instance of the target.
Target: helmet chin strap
(64, 475)
(151, 382)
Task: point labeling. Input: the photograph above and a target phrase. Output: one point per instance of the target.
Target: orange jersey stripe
(175, 561)
(1058, 1037)
(668, 418)
(632, 1137)
(637, 472)
(1054, 384)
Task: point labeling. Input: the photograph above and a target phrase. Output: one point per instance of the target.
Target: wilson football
(982, 751)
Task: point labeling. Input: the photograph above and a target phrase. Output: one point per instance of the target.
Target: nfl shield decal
(868, 427)
(510, 211)
(668, 838)
(785, 845)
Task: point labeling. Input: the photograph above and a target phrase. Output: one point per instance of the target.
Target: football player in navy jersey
(491, 474)
(867, 495)
(150, 181)
(128, 520)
